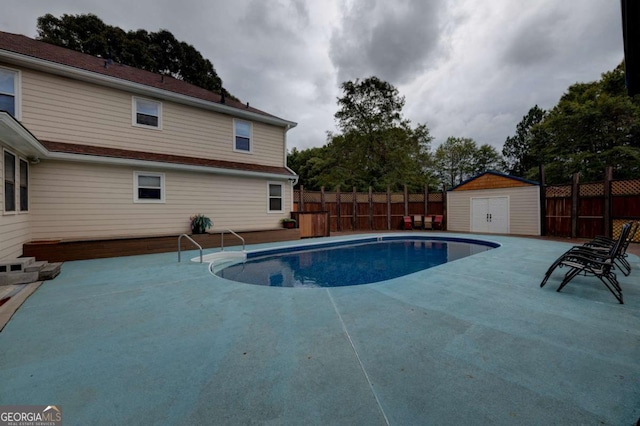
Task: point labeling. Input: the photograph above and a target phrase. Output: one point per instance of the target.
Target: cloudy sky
(466, 68)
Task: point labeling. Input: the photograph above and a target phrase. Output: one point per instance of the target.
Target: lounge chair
(605, 243)
(428, 222)
(589, 262)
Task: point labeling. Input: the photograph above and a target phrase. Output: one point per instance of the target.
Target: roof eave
(118, 83)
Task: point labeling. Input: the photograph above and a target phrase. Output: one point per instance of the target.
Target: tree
(594, 125)
(376, 146)
(454, 160)
(158, 52)
(487, 158)
(518, 152)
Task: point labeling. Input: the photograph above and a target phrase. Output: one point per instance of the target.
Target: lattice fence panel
(436, 197)
(559, 191)
(397, 198)
(330, 197)
(625, 187)
(416, 198)
(362, 197)
(617, 228)
(346, 197)
(312, 197)
(379, 197)
(591, 189)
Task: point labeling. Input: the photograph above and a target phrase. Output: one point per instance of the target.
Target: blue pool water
(352, 264)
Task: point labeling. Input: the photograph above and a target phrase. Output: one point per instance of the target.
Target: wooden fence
(585, 210)
(369, 211)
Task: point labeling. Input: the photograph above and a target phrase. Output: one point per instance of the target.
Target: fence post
(301, 193)
(338, 225)
(323, 206)
(543, 201)
(370, 208)
(388, 207)
(444, 208)
(426, 200)
(406, 201)
(608, 223)
(575, 199)
(355, 210)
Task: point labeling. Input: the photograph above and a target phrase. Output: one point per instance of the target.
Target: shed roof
(492, 180)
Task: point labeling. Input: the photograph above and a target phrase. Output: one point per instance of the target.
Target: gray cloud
(391, 40)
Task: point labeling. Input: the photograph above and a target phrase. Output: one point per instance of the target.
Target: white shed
(494, 203)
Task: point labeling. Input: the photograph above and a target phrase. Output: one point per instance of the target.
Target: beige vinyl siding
(65, 110)
(524, 209)
(79, 201)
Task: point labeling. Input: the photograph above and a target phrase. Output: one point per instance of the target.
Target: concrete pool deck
(148, 340)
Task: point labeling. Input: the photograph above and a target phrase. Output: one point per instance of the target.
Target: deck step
(50, 271)
(13, 278)
(35, 266)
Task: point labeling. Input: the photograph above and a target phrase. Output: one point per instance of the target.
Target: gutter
(63, 156)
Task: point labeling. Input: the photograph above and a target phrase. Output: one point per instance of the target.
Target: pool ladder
(200, 247)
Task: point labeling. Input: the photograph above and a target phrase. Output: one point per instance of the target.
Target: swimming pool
(348, 263)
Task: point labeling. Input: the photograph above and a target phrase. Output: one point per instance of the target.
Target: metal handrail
(190, 239)
(222, 239)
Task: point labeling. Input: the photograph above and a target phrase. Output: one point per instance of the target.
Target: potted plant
(288, 223)
(200, 223)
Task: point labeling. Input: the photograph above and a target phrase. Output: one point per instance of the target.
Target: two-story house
(96, 149)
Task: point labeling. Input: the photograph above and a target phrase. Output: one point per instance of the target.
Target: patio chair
(417, 221)
(428, 222)
(437, 221)
(602, 251)
(406, 222)
(605, 243)
(588, 262)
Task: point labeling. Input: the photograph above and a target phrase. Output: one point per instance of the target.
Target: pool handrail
(190, 239)
(222, 239)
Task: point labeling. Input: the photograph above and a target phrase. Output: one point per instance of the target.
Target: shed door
(490, 215)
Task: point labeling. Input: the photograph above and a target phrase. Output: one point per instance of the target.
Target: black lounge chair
(605, 243)
(583, 260)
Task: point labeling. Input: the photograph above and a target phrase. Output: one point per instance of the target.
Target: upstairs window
(147, 113)
(275, 197)
(9, 182)
(9, 91)
(242, 136)
(149, 187)
(24, 186)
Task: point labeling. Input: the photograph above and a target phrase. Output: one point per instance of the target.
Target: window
(147, 113)
(9, 182)
(149, 187)
(9, 91)
(275, 197)
(242, 136)
(24, 186)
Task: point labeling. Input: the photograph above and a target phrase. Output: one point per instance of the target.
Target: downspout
(293, 181)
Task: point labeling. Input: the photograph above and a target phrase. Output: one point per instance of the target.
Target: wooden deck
(60, 251)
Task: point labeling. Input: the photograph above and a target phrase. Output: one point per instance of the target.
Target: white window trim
(269, 197)
(136, 187)
(19, 177)
(15, 182)
(235, 120)
(18, 87)
(134, 113)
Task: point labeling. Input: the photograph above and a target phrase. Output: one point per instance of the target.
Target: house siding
(78, 201)
(66, 110)
(524, 208)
